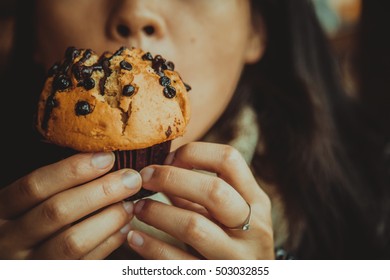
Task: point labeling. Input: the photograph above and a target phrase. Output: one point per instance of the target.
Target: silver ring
(245, 226)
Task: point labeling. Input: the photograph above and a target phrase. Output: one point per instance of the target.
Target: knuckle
(113, 241)
(74, 169)
(230, 157)
(166, 175)
(189, 150)
(72, 247)
(30, 186)
(54, 211)
(194, 229)
(219, 193)
(107, 189)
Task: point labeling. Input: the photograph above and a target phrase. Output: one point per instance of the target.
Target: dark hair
(315, 152)
(314, 146)
(373, 67)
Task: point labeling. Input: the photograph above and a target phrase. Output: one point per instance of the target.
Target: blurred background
(7, 9)
(339, 19)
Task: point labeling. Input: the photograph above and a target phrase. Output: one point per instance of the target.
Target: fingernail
(131, 180)
(146, 174)
(126, 229)
(135, 239)
(102, 160)
(138, 206)
(169, 158)
(129, 206)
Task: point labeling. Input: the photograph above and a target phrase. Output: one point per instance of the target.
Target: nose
(136, 23)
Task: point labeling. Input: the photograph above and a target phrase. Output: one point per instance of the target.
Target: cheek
(57, 29)
(213, 69)
(212, 89)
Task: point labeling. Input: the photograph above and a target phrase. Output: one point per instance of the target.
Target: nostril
(123, 30)
(149, 30)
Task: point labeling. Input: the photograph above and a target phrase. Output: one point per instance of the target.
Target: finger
(188, 205)
(153, 249)
(82, 238)
(108, 246)
(9, 250)
(74, 204)
(50, 180)
(191, 228)
(221, 200)
(223, 160)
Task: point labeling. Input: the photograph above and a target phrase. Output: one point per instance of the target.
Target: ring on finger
(245, 226)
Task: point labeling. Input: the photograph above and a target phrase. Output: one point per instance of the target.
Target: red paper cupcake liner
(138, 159)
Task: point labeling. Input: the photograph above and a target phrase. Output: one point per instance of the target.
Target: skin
(205, 207)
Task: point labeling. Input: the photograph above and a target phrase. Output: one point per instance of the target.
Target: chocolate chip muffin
(128, 102)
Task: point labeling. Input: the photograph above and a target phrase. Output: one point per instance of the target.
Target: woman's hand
(67, 210)
(209, 211)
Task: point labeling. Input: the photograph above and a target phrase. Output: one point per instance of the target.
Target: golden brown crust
(110, 116)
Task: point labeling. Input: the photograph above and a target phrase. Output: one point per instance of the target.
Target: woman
(265, 68)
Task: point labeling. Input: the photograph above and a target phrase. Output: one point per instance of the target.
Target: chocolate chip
(104, 56)
(118, 52)
(160, 73)
(89, 83)
(53, 70)
(158, 61)
(188, 87)
(106, 64)
(165, 81)
(71, 53)
(125, 65)
(87, 54)
(107, 72)
(128, 90)
(51, 102)
(61, 82)
(147, 56)
(97, 67)
(164, 66)
(158, 65)
(81, 72)
(86, 71)
(83, 108)
(169, 92)
(76, 70)
(168, 132)
(170, 65)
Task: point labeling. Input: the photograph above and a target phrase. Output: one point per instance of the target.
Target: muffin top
(123, 101)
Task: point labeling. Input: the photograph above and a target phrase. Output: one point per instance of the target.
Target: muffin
(128, 102)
